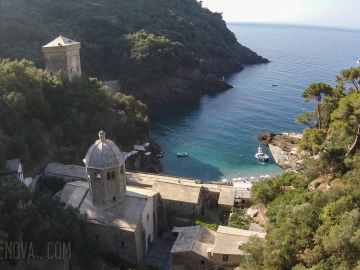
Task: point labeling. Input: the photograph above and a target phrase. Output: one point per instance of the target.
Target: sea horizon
(293, 25)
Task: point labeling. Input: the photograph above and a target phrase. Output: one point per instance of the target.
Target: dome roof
(103, 154)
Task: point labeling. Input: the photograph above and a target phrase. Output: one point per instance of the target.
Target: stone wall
(233, 260)
(182, 209)
(161, 224)
(114, 86)
(189, 260)
(55, 62)
(140, 238)
(112, 240)
(211, 198)
(224, 209)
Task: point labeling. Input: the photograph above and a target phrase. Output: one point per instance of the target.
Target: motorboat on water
(182, 154)
(261, 155)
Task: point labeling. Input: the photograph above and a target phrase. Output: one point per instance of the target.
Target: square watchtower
(62, 54)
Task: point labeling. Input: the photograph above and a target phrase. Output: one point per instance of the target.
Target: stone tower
(105, 167)
(62, 54)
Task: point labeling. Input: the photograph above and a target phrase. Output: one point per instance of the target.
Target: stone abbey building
(119, 220)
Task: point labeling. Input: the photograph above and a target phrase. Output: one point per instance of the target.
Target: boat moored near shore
(261, 155)
(182, 154)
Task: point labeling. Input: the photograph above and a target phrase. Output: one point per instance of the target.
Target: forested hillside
(317, 229)
(57, 119)
(136, 41)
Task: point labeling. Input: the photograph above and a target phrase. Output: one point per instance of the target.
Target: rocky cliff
(146, 163)
(284, 148)
(184, 84)
(194, 82)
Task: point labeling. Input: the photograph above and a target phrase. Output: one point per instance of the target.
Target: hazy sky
(334, 13)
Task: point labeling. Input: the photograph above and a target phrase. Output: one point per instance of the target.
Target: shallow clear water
(219, 131)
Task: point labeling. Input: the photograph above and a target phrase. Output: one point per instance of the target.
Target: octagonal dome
(103, 154)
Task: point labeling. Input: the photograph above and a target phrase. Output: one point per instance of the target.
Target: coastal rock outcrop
(182, 85)
(146, 163)
(284, 148)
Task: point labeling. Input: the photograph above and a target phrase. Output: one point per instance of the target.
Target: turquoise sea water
(219, 131)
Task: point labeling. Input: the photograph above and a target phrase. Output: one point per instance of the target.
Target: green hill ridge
(166, 47)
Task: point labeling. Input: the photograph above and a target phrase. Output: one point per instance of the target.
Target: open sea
(219, 131)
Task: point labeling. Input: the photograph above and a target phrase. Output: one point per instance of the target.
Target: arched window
(112, 175)
(108, 176)
(114, 199)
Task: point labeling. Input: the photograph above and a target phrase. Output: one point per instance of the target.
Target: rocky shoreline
(193, 82)
(183, 85)
(284, 148)
(146, 163)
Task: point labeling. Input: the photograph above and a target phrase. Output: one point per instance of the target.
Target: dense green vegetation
(134, 40)
(206, 221)
(40, 220)
(235, 221)
(57, 120)
(317, 229)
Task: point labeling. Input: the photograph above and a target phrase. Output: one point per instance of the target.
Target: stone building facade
(182, 199)
(190, 250)
(63, 54)
(197, 247)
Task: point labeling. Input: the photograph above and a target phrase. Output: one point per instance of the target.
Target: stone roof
(74, 192)
(66, 170)
(227, 195)
(257, 228)
(148, 179)
(228, 240)
(229, 244)
(197, 239)
(60, 40)
(242, 194)
(147, 191)
(240, 232)
(124, 214)
(176, 191)
(103, 154)
(12, 166)
(211, 187)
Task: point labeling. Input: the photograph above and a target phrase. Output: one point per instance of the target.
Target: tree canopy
(58, 119)
(317, 91)
(135, 41)
(315, 229)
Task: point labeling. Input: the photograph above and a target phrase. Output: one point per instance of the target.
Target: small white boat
(274, 84)
(261, 155)
(182, 154)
